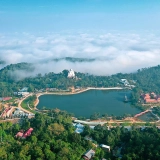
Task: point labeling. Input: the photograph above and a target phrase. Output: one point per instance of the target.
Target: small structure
(125, 82)
(27, 133)
(51, 89)
(24, 89)
(71, 74)
(79, 127)
(6, 98)
(105, 147)
(21, 93)
(88, 155)
(19, 112)
(21, 134)
(6, 112)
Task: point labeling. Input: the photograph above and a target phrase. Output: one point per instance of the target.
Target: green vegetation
(11, 75)
(146, 80)
(29, 103)
(53, 137)
(156, 110)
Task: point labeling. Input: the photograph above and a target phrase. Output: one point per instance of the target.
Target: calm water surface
(89, 102)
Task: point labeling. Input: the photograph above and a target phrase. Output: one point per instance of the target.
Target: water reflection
(87, 103)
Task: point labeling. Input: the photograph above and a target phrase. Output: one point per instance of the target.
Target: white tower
(71, 73)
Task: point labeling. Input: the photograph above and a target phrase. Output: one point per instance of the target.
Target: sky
(122, 35)
(58, 15)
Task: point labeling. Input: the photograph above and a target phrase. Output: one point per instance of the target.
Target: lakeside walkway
(20, 102)
(94, 123)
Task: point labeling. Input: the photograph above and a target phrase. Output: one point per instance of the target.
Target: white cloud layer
(113, 53)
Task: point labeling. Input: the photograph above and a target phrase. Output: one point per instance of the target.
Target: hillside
(53, 138)
(14, 76)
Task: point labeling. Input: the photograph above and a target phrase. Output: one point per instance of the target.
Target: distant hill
(72, 59)
(2, 62)
(6, 73)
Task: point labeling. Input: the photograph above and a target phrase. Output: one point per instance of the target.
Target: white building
(125, 82)
(105, 147)
(71, 73)
(25, 89)
(21, 93)
(19, 112)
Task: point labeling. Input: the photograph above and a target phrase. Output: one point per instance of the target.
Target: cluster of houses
(22, 92)
(88, 155)
(6, 112)
(22, 134)
(19, 112)
(150, 98)
(126, 83)
(15, 113)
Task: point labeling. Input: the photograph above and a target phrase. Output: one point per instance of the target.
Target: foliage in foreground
(54, 138)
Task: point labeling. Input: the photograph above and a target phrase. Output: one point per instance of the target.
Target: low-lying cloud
(112, 53)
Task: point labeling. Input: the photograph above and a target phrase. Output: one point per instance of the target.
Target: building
(105, 147)
(79, 127)
(19, 112)
(150, 101)
(25, 89)
(22, 134)
(125, 82)
(21, 93)
(71, 74)
(6, 98)
(151, 98)
(88, 155)
(19, 134)
(146, 96)
(27, 133)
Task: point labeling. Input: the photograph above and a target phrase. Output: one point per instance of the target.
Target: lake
(90, 102)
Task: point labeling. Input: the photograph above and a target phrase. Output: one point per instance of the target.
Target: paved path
(20, 102)
(103, 122)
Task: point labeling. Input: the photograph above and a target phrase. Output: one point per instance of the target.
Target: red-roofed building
(145, 96)
(6, 98)
(27, 133)
(151, 101)
(151, 98)
(19, 134)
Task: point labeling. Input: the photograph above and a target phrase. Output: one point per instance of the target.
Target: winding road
(20, 102)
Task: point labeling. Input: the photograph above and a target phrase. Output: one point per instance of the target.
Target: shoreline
(20, 102)
(72, 93)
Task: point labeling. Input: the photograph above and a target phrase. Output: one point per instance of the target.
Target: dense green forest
(54, 138)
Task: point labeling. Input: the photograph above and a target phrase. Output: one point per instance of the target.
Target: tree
(31, 88)
(56, 128)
